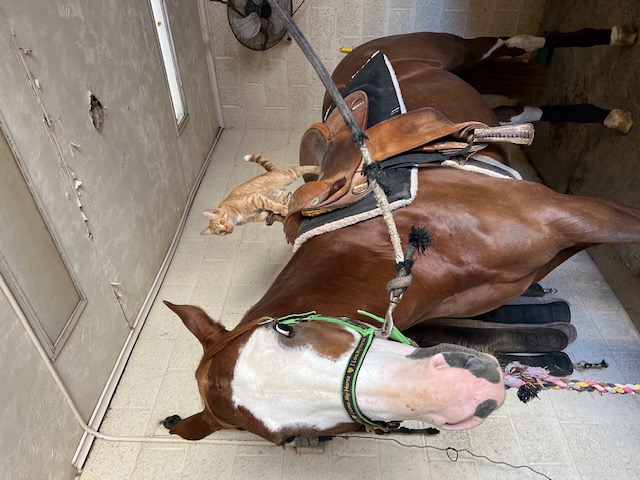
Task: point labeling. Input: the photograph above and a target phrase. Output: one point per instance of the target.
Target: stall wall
(115, 227)
(278, 88)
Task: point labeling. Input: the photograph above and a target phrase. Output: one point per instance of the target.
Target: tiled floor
(562, 435)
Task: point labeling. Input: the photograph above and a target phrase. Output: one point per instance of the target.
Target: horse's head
(280, 380)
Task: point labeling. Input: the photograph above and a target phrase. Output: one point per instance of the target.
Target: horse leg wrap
(581, 113)
(587, 37)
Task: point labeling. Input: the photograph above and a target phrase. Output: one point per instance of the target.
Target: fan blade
(277, 21)
(247, 27)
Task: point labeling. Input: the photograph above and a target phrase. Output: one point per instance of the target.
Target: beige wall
(278, 88)
(137, 175)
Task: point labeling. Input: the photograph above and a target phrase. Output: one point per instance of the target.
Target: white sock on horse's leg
(513, 115)
(528, 43)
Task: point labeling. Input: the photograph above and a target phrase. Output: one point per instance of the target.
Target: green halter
(367, 333)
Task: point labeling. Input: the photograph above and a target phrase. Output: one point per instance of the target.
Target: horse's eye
(290, 439)
(286, 330)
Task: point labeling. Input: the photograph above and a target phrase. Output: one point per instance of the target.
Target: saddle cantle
(342, 183)
(329, 145)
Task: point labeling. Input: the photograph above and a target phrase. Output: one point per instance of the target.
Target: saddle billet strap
(423, 158)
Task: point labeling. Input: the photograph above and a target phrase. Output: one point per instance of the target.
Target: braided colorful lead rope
(530, 380)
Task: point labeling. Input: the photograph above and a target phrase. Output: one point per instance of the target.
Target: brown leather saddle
(342, 183)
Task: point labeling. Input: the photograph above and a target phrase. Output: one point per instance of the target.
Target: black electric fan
(255, 24)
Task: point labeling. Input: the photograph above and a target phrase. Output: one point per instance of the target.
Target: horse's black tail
(509, 77)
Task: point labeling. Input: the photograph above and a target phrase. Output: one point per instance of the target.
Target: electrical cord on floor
(451, 452)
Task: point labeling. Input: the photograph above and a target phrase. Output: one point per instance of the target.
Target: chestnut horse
(491, 239)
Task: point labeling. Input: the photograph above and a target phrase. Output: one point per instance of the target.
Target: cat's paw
(261, 216)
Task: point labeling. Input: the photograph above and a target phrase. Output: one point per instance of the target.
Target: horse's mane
(509, 77)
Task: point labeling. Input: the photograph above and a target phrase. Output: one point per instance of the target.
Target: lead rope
(531, 380)
(403, 280)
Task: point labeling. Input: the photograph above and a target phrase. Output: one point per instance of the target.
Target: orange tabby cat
(255, 199)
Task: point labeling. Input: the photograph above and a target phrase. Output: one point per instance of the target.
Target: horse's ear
(195, 427)
(205, 329)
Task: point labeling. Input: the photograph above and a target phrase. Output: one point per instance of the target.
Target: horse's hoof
(619, 120)
(624, 35)
(170, 421)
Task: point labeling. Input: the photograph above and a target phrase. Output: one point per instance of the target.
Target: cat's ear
(210, 214)
(206, 231)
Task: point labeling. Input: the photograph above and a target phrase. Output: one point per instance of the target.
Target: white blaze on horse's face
(289, 386)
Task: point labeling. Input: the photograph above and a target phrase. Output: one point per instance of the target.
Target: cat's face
(219, 223)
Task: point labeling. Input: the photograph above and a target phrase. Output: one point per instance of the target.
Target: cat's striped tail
(262, 161)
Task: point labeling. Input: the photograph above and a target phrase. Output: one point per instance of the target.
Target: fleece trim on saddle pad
(403, 194)
(378, 80)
